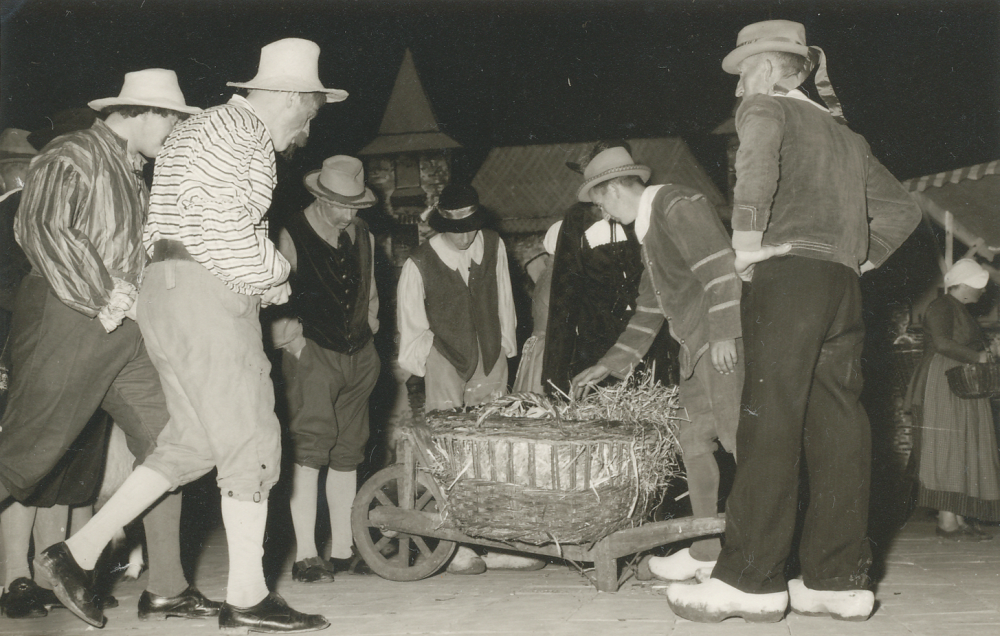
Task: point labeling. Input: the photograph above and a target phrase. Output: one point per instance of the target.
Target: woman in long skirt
(958, 465)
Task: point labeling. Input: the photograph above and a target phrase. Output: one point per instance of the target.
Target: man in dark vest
(456, 321)
(329, 359)
(454, 307)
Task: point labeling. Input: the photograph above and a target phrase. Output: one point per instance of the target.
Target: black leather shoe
(188, 604)
(71, 583)
(270, 616)
(352, 565)
(22, 599)
(312, 570)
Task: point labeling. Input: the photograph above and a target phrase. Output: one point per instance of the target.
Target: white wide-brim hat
(341, 181)
(154, 87)
(967, 271)
(769, 35)
(609, 164)
(291, 65)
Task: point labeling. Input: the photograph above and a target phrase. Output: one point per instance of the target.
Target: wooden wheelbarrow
(402, 535)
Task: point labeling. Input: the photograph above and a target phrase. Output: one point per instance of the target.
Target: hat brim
(471, 223)
(364, 200)
(101, 104)
(583, 194)
(15, 156)
(731, 62)
(333, 95)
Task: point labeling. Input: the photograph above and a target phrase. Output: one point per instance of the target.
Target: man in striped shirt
(212, 269)
(80, 226)
(688, 279)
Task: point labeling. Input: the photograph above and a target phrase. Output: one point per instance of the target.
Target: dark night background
(920, 79)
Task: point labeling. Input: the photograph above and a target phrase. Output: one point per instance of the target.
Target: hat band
(340, 198)
(633, 166)
(459, 213)
(825, 88)
(770, 39)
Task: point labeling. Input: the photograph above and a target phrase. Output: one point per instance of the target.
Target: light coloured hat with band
(291, 65)
(457, 210)
(341, 181)
(789, 37)
(14, 145)
(609, 164)
(153, 87)
(967, 271)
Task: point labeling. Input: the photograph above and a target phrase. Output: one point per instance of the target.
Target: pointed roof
(408, 124)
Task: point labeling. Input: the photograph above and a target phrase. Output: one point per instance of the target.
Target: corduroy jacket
(805, 179)
(688, 279)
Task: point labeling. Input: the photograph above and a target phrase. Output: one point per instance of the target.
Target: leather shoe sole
(270, 616)
(188, 604)
(71, 583)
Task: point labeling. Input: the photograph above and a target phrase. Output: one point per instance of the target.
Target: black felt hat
(457, 210)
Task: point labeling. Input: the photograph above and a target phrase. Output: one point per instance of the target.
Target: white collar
(645, 211)
(799, 95)
(458, 260)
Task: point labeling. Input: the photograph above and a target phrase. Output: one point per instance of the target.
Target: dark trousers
(65, 367)
(328, 403)
(803, 333)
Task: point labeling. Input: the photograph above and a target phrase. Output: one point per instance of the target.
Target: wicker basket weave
(973, 381)
(537, 490)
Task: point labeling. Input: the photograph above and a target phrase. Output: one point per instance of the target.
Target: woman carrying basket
(956, 461)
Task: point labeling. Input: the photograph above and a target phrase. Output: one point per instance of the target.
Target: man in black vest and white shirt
(455, 315)
(455, 312)
(329, 360)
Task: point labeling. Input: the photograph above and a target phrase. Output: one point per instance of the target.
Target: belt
(167, 250)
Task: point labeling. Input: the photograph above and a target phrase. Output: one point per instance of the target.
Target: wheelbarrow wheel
(395, 555)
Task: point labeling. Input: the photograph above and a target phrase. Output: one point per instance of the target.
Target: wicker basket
(973, 381)
(540, 481)
(539, 491)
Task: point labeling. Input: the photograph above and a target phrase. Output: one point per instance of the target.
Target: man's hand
(745, 260)
(584, 381)
(724, 357)
(277, 295)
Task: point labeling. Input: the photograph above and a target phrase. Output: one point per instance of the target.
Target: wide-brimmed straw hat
(457, 210)
(967, 271)
(769, 35)
(341, 180)
(154, 87)
(609, 164)
(789, 37)
(291, 65)
(14, 145)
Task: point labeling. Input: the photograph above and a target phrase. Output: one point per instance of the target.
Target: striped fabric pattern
(211, 190)
(81, 214)
(952, 176)
(825, 88)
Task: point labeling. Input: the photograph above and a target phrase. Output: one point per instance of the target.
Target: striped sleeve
(638, 336)
(705, 247)
(212, 191)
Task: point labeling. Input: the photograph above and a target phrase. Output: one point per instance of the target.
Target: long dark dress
(958, 465)
(594, 288)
